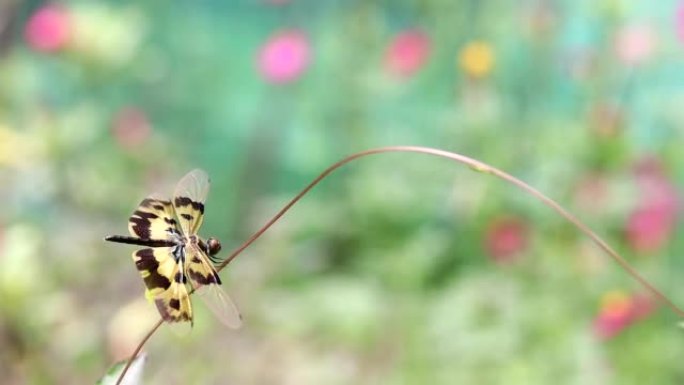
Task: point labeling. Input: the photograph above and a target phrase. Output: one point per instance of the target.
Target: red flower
(505, 238)
(284, 57)
(48, 29)
(407, 53)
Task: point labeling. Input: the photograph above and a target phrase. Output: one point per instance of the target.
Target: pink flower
(654, 184)
(648, 229)
(284, 57)
(651, 224)
(608, 326)
(48, 29)
(407, 53)
(619, 310)
(131, 128)
(505, 238)
(635, 43)
(679, 21)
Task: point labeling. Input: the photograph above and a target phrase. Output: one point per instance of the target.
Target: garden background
(398, 268)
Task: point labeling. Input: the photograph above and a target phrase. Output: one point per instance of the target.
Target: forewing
(188, 200)
(165, 282)
(153, 219)
(206, 282)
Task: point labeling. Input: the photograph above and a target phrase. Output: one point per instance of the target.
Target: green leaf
(133, 375)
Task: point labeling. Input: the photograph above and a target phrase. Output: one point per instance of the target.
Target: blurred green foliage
(398, 269)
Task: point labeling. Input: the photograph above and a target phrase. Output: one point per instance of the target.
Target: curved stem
(137, 350)
(475, 165)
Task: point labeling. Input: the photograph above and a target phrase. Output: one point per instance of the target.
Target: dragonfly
(175, 260)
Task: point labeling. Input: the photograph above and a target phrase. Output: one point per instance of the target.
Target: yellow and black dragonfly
(174, 258)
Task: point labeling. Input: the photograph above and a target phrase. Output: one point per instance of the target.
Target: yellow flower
(476, 59)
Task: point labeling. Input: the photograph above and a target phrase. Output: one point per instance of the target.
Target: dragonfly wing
(153, 219)
(206, 282)
(165, 281)
(221, 305)
(188, 200)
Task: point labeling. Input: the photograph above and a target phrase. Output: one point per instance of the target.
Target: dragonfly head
(213, 246)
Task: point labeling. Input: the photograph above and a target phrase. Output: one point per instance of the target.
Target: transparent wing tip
(221, 305)
(235, 323)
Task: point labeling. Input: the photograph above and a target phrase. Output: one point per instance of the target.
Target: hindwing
(165, 281)
(206, 281)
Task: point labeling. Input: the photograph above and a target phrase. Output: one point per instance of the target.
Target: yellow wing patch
(165, 281)
(153, 219)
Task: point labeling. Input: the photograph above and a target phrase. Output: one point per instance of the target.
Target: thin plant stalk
(473, 164)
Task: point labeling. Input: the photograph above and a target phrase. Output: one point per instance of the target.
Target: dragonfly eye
(213, 246)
